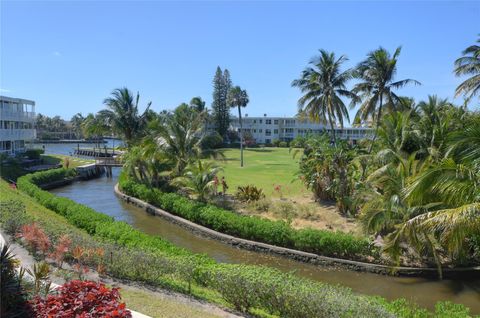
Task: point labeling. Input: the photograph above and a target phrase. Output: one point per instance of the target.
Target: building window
(260, 130)
(260, 121)
(275, 121)
(268, 121)
(275, 131)
(254, 121)
(268, 132)
(254, 131)
(268, 141)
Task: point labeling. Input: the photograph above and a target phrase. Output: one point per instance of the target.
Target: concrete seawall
(295, 254)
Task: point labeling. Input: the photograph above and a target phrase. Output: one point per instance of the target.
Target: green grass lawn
(74, 161)
(264, 168)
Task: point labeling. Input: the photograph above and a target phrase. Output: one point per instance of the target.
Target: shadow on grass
(259, 150)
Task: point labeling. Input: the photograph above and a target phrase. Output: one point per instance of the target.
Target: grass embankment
(264, 168)
(74, 162)
(132, 255)
(144, 302)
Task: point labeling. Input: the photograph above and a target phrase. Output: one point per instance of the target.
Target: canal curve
(99, 195)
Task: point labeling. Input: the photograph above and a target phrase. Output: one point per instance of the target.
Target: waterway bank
(98, 194)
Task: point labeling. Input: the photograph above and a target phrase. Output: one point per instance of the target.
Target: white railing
(6, 114)
(17, 134)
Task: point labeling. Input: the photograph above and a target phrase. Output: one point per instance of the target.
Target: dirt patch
(301, 212)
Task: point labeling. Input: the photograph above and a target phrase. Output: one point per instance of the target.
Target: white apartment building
(266, 129)
(17, 124)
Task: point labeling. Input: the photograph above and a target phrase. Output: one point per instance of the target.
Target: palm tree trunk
(379, 115)
(333, 129)
(241, 136)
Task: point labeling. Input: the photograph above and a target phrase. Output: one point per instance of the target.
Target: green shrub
(34, 153)
(251, 227)
(283, 144)
(249, 193)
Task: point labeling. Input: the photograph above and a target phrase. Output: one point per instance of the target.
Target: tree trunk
(333, 129)
(241, 136)
(379, 115)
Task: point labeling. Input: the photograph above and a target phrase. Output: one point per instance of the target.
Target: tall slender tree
(238, 97)
(221, 112)
(377, 74)
(323, 84)
(469, 64)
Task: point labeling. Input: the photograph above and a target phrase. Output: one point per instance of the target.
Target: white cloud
(56, 53)
(4, 90)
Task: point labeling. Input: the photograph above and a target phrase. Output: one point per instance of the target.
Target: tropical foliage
(323, 85)
(469, 65)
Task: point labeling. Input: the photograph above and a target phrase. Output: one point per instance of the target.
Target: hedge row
(93, 222)
(254, 228)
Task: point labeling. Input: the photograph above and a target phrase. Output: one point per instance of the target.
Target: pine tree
(221, 111)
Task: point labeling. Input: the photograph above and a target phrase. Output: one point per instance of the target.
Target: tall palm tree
(323, 84)
(238, 98)
(469, 64)
(123, 115)
(377, 75)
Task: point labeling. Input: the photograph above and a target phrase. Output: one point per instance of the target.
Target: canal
(98, 194)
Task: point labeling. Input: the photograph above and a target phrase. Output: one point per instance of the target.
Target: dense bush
(212, 141)
(48, 176)
(279, 233)
(283, 144)
(81, 299)
(34, 153)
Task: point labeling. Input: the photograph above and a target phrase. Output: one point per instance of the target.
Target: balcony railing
(10, 115)
(17, 134)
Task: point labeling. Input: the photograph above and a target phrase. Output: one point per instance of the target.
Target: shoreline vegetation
(246, 288)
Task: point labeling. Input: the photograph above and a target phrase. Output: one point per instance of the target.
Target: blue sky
(69, 56)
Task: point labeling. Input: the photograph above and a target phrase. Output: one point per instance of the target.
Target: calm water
(67, 149)
(98, 194)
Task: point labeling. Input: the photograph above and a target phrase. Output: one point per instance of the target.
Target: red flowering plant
(61, 248)
(35, 238)
(81, 299)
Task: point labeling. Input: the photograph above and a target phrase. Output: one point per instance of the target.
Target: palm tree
(238, 98)
(453, 184)
(178, 135)
(77, 121)
(199, 179)
(323, 84)
(198, 104)
(123, 115)
(469, 64)
(377, 74)
(95, 126)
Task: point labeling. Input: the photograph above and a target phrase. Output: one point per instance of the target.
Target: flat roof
(16, 100)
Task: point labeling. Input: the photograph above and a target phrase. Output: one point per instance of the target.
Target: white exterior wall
(266, 129)
(17, 124)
